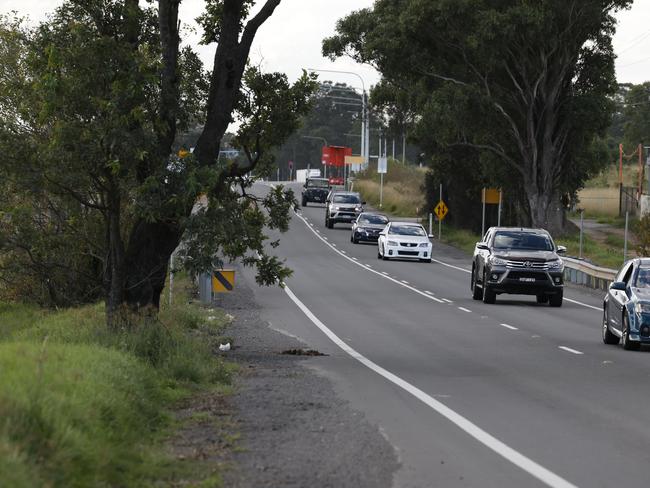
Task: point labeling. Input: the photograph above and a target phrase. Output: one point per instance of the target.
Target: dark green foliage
(523, 87)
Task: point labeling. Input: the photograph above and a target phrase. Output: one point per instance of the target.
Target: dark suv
(518, 261)
(342, 206)
(315, 190)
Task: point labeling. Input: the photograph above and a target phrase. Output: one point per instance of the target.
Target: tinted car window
(642, 278)
(317, 184)
(345, 199)
(373, 219)
(523, 240)
(406, 230)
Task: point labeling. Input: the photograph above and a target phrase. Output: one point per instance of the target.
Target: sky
(290, 40)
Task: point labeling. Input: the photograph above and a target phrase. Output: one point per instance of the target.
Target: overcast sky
(291, 38)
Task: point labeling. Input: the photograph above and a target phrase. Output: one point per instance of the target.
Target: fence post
(582, 214)
(625, 244)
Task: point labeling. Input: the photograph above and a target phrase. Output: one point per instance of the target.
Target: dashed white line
(405, 282)
(355, 258)
(447, 301)
(344, 252)
(428, 292)
(384, 273)
(572, 351)
(518, 459)
(465, 309)
(508, 326)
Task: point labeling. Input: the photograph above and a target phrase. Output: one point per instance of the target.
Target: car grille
(527, 265)
(408, 253)
(408, 244)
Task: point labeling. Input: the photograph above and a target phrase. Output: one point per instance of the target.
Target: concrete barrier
(587, 274)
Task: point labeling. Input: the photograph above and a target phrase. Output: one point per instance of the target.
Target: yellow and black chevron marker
(223, 280)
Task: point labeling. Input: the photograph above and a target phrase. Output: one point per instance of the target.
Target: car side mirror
(618, 285)
(382, 233)
(561, 250)
(482, 246)
(363, 203)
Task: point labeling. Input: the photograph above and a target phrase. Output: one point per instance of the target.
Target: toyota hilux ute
(518, 261)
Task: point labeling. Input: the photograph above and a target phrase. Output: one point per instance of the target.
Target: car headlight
(494, 261)
(393, 243)
(425, 244)
(557, 264)
(358, 209)
(642, 308)
(335, 207)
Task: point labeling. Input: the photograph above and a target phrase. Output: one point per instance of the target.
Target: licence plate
(527, 280)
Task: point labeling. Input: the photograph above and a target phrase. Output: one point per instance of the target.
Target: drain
(303, 352)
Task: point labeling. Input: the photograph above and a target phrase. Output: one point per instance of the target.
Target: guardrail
(587, 274)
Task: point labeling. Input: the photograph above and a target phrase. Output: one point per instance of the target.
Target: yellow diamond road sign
(441, 210)
(223, 280)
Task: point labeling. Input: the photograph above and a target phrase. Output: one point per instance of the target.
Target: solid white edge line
(568, 349)
(583, 304)
(528, 465)
(465, 309)
(508, 326)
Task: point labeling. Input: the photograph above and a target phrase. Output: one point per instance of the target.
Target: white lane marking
(583, 304)
(568, 349)
(405, 282)
(465, 309)
(428, 292)
(355, 258)
(334, 245)
(384, 273)
(451, 266)
(528, 465)
(508, 326)
(368, 267)
(326, 238)
(447, 301)
(344, 252)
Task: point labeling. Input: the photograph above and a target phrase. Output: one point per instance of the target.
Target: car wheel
(628, 344)
(304, 202)
(542, 298)
(477, 293)
(383, 254)
(354, 239)
(489, 296)
(608, 337)
(555, 300)
(329, 223)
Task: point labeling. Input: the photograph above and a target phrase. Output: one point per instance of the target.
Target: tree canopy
(93, 102)
(522, 88)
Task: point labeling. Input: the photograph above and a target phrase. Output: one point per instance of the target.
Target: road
(506, 395)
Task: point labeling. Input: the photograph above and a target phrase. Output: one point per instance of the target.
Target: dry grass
(599, 201)
(403, 195)
(609, 177)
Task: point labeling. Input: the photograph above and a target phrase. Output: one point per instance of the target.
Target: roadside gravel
(295, 431)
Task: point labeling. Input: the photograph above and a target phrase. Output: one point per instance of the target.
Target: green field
(80, 406)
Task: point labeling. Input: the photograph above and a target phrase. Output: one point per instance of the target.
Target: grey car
(342, 207)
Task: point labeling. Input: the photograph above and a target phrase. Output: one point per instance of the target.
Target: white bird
(224, 347)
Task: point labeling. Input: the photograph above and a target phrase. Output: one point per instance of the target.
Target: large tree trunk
(546, 210)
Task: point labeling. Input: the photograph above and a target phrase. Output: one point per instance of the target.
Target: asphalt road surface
(507, 395)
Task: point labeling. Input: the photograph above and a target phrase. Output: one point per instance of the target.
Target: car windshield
(318, 183)
(373, 219)
(643, 278)
(407, 230)
(522, 240)
(345, 199)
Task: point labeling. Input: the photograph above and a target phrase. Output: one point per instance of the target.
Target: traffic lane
(534, 365)
(431, 450)
(573, 322)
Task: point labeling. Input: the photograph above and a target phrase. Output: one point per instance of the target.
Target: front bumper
(408, 252)
(640, 327)
(525, 282)
(319, 197)
(368, 236)
(343, 216)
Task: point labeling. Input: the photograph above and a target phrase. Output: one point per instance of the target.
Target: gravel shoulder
(293, 429)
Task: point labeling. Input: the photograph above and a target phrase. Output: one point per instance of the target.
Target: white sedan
(404, 240)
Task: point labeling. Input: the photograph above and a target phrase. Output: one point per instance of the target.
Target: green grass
(81, 406)
(606, 255)
(460, 238)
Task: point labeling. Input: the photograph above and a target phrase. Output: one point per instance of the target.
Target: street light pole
(365, 122)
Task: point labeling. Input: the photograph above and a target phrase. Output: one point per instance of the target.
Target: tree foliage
(524, 86)
(97, 98)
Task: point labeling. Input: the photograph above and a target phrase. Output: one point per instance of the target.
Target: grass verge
(82, 406)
